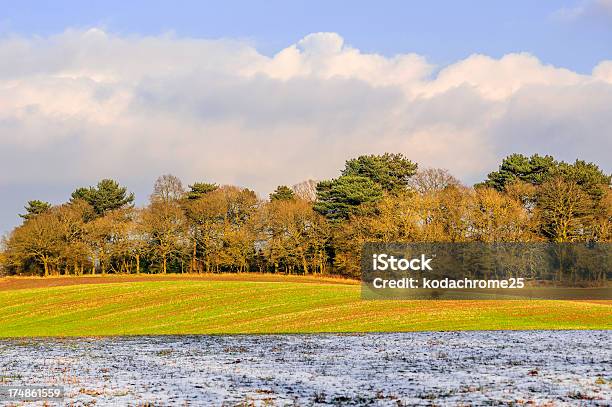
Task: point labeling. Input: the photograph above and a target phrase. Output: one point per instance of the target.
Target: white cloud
(500, 78)
(83, 105)
(603, 71)
(325, 56)
(590, 9)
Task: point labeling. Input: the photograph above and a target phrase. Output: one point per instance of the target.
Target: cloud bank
(82, 105)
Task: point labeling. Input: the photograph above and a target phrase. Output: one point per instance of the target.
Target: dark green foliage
(282, 193)
(199, 189)
(341, 197)
(568, 199)
(391, 171)
(537, 169)
(364, 180)
(587, 175)
(35, 207)
(517, 167)
(108, 195)
(84, 194)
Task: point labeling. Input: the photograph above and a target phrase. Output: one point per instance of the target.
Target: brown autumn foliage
(228, 229)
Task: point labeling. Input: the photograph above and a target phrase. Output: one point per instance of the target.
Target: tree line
(312, 227)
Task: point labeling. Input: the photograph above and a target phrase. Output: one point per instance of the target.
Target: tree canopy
(282, 193)
(35, 207)
(167, 188)
(108, 195)
(538, 169)
(211, 228)
(199, 189)
(391, 171)
(339, 198)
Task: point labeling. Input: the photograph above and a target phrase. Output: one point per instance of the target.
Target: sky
(266, 93)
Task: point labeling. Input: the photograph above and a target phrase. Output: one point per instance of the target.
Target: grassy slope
(203, 306)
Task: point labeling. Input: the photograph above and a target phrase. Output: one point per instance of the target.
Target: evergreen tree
(536, 170)
(199, 189)
(35, 207)
(391, 171)
(516, 167)
(341, 197)
(282, 193)
(586, 175)
(108, 195)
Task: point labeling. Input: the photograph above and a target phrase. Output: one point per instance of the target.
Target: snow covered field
(556, 367)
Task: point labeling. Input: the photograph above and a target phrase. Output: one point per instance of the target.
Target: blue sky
(574, 34)
(260, 94)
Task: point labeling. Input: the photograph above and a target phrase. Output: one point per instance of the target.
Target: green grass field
(114, 306)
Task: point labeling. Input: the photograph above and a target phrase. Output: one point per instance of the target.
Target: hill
(251, 303)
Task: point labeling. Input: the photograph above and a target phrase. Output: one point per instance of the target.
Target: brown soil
(16, 283)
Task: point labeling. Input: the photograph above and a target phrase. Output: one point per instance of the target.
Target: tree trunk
(304, 263)
(194, 263)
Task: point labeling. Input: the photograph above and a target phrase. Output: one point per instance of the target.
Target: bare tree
(164, 223)
(306, 190)
(565, 210)
(432, 179)
(167, 188)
